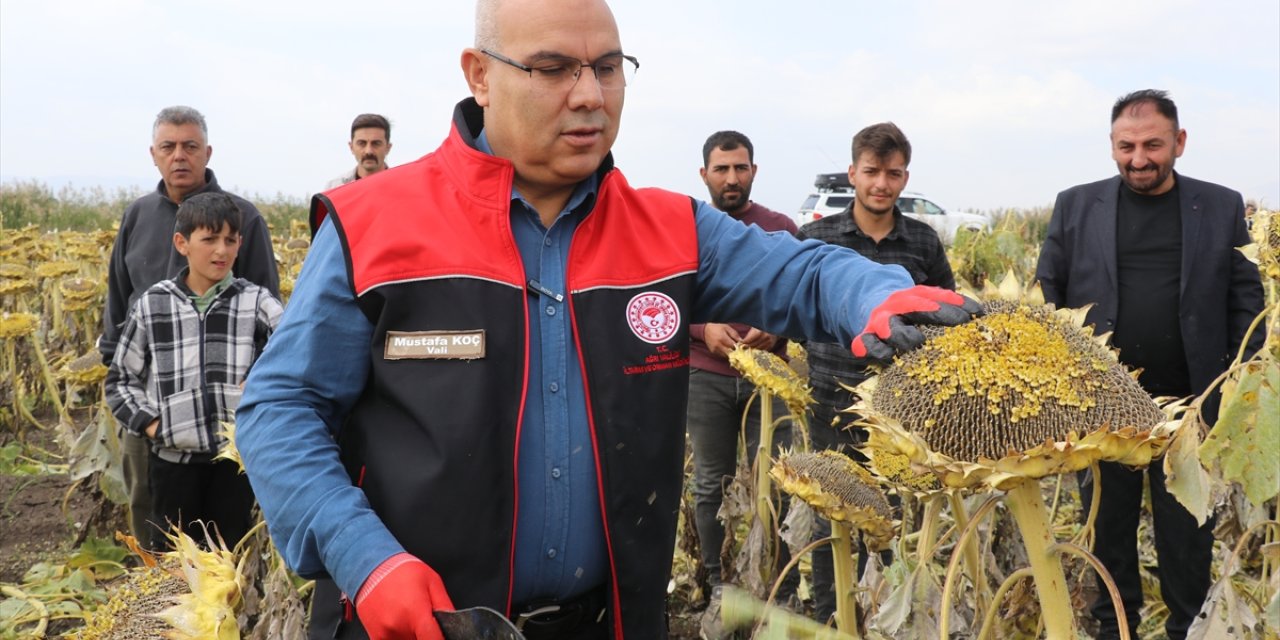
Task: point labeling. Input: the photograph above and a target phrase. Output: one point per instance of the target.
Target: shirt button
(546, 241)
(551, 311)
(555, 386)
(555, 472)
(551, 553)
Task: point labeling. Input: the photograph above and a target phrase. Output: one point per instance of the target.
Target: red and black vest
(432, 440)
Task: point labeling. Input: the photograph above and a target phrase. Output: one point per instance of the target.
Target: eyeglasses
(613, 72)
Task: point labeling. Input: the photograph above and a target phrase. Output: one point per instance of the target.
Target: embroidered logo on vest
(653, 317)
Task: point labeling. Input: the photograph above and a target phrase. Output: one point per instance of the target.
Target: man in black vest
(477, 395)
(1155, 253)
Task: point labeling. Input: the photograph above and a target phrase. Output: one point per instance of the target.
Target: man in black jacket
(144, 255)
(1155, 253)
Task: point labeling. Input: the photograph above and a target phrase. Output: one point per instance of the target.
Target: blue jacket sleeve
(797, 289)
(310, 375)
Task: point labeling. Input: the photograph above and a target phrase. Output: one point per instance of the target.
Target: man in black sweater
(1154, 252)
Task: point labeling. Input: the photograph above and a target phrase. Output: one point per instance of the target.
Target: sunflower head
(79, 293)
(56, 269)
(1022, 391)
(839, 489)
(17, 325)
(768, 371)
(87, 369)
(1264, 229)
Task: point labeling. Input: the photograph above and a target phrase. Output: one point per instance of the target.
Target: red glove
(396, 600)
(887, 332)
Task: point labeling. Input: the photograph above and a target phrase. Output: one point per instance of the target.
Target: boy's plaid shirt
(185, 368)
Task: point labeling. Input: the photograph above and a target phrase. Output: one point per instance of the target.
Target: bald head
(489, 15)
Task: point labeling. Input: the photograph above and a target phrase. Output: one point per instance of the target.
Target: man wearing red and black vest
(476, 396)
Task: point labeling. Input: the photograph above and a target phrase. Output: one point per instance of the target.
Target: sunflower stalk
(51, 385)
(843, 567)
(19, 398)
(1030, 512)
(764, 484)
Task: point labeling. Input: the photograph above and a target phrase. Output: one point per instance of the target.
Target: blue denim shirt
(293, 403)
(560, 549)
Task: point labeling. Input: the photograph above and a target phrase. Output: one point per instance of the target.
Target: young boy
(183, 355)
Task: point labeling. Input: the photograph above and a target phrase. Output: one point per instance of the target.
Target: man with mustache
(144, 254)
(477, 394)
(874, 227)
(1155, 253)
(718, 394)
(370, 143)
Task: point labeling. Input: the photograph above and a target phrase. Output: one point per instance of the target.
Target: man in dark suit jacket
(1155, 253)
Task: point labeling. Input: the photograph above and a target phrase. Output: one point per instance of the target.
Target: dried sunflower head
(14, 271)
(209, 610)
(17, 325)
(56, 269)
(839, 489)
(768, 371)
(79, 293)
(130, 608)
(1265, 248)
(897, 470)
(15, 286)
(1024, 391)
(87, 369)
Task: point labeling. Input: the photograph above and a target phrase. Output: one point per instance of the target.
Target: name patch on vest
(434, 345)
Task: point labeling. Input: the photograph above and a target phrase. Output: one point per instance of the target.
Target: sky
(1005, 102)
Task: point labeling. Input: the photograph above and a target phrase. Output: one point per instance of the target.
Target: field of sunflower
(972, 436)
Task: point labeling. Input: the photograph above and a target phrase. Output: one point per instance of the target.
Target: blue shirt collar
(584, 189)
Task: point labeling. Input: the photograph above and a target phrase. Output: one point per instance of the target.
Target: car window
(809, 203)
(924, 206)
(839, 202)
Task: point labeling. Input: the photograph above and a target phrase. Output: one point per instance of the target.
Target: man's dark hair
(881, 140)
(371, 121)
(208, 210)
(727, 140)
(1132, 101)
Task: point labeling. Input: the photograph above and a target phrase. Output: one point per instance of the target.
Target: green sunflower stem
(764, 483)
(19, 405)
(50, 384)
(1031, 514)
(842, 569)
(928, 539)
(55, 298)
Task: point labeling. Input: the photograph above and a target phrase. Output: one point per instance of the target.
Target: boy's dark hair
(881, 140)
(371, 121)
(1160, 99)
(208, 210)
(727, 140)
